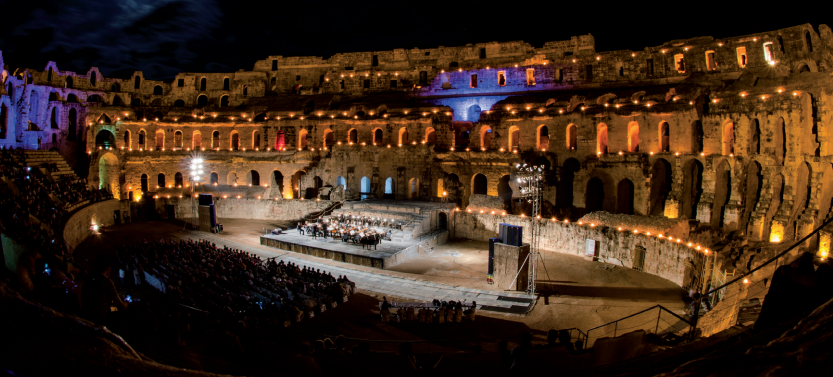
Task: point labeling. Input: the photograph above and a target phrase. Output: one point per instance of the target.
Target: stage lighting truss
(530, 179)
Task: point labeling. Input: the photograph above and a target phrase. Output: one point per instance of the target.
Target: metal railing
(662, 322)
(724, 316)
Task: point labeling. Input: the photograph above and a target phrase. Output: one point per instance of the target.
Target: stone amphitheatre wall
(78, 226)
(663, 257)
(254, 209)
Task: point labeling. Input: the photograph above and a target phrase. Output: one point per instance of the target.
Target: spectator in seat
(98, 292)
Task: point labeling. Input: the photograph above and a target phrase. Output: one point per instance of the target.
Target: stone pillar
(672, 208)
(730, 216)
(776, 231)
(756, 227)
(704, 212)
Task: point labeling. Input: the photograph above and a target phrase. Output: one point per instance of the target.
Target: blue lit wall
(468, 108)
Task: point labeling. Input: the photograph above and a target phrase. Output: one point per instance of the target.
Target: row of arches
(196, 140)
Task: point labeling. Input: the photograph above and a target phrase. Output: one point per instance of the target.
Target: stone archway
(108, 174)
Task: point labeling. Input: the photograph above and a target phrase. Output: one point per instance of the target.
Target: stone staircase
(37, 158)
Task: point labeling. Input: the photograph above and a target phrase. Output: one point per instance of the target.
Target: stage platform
(423, 225)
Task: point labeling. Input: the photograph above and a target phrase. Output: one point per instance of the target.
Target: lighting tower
(531, 182)
(196, 176)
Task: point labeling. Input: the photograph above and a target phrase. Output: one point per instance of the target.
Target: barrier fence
(655, 320)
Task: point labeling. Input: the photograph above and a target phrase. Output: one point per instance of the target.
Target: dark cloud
(163, 37)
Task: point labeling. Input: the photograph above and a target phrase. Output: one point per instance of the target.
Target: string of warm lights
(659, 236)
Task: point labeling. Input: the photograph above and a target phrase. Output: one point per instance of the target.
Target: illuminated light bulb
(652, 153)
(691, 102)
(677, 154)
(598, 58)
(745, 281)
(621, 153)
(620, 228)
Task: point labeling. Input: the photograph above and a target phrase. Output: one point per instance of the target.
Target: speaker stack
(511, 234)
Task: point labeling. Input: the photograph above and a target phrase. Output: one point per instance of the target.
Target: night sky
(163, 37)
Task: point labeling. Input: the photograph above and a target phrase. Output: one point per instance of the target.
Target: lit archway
(664, 137)
(572, 137)
(601, 138)
(485, 137)
(633, 137)
(108, 174)
(429, 135)
(514, 138)
(728, 138)
(403, 136)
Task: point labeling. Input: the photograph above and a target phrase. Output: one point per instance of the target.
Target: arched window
(514, 138)
(780, 139)
(572, 137)
(157, 90)
(808, 41)
(601, 138)
(202, 84)
(235, 141)
(33, 107)
(664, 137)
(429, 135)
(202, 100)
(144, 181)
(226, 83)
(69, 82)
(364, 189)
(340, 181)
(389, 186)
(178, 139)
(543, 137)
(196, 141)
(160, 180)
(141, 139)
(127, 139)
(178, 180)
(755, 127)
(72, 98)
(254, 178)
(728, 138)
(485, 137)
(697, 136)
(329, 140)
(4, 116)
(72, 121)
(413, 188)
(633, 137)
(245, 90)
(479, 184)
(403, 136)
(179, 103)
(137, 82)
(117, 101)
(115, 87)
(352, 136)
(224, 101)
(54, 118)
(378, 136)
(214, 178)
(256, 140)
(302, 139)
(160, 140)
(92, 78)
(49, 75)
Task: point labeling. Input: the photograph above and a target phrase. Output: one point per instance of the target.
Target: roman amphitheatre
(311, 216)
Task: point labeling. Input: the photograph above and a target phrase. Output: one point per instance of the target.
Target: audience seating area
(231, 284)
(34, 203)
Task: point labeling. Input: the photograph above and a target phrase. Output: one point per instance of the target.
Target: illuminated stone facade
(730, 132)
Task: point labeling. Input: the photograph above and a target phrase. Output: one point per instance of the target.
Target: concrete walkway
(415, 289)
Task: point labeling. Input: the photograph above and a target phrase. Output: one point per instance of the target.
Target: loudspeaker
(213, 215)
(502, 232)
(492, 255)
(206, 199)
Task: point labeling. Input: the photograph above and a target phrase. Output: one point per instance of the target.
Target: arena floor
(573, 291)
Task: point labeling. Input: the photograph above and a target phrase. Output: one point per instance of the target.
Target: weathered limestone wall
(253, 209)
(78, 226)
(664, 258)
